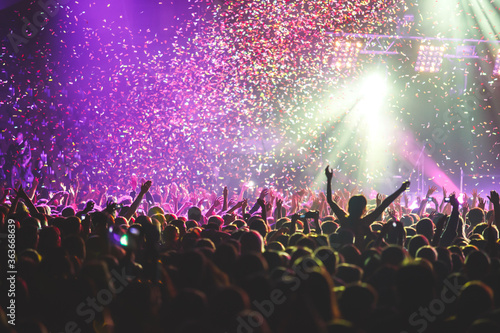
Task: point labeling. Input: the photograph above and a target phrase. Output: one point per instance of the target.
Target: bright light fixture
(430, 58)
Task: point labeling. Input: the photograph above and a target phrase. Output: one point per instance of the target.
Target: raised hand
(279, 203)
(482, 203)
(238, 205)
(184, 191)
(454, 201)
(225, 193)
(444, 192)
(474, 193)
(269, 206)
(379, 199)
(145, 187)
(328, 173)
(218, 201)
(231, 202)
(465, 207)
(405, 185)
(494, 197)
(495, 201)
(263, 193)
(173, 189)
(244, 203)
(193, 198)
(110, 206)
(244, 186)
(336, 198)
(430, 191)
(393, 214)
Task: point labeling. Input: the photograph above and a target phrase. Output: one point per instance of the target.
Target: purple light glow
(222, 94)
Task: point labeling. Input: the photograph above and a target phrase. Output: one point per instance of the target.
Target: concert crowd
(140, 257)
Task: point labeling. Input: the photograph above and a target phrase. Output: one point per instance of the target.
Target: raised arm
(339, 212)
(263, 207)
(256, 206)
(370, 218)
(317, 225)
(495, 201)
(184, 206)
(238, 205)
(323, 210)
(22, 195)
(278, 210)
(137, 202)
(378, 200)
(474, 198)
(57, 196)
(451, 230)
(217, 202)
(439, 230)
(441, 206)
(101, 198)
(242, 192)
(423, 203)
(465, 209)
(225, 193)
(32, 190)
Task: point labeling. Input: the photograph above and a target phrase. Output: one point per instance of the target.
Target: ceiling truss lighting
(429, 59)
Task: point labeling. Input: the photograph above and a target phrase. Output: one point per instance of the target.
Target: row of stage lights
(345, 54)
(429, 59)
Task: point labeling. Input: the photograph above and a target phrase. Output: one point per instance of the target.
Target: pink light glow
(434, 175)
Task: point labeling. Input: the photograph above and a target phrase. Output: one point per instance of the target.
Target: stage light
(374, 122)
(374, 87)
(429, 58)
(345, 54)
(496, 69)
(371, 104)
